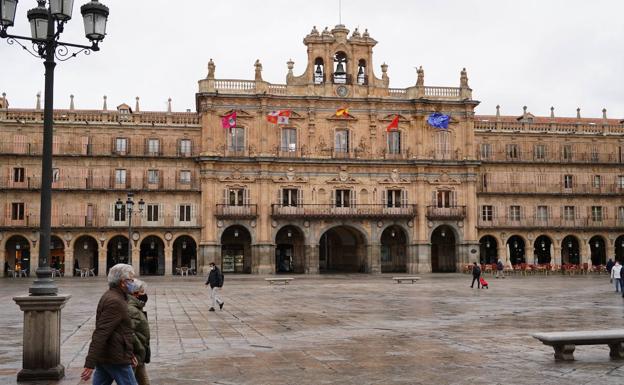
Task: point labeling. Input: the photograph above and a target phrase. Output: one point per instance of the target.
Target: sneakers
(221, 305)
(211, 309)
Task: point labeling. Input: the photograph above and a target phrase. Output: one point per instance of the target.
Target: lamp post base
(44, 284)
(42, 337)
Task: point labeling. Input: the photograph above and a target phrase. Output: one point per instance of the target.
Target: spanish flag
(394, 125)
(342, 112)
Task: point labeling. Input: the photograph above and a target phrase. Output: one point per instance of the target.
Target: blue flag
(438, 120)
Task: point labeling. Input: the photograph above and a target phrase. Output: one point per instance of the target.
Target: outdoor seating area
(524, 269)
(185, 271)
(17, 273)
(85, 272)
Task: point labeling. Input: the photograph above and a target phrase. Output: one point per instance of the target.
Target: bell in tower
(340, 75)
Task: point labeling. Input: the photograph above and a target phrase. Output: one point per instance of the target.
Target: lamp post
(42, 308)
(129, 211)
(46, 25)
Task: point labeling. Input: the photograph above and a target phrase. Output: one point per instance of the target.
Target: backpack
(499, 265)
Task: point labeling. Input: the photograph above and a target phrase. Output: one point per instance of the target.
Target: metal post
(129, 211)
(44, 284)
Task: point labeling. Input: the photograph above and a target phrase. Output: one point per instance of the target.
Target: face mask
(212, 267)
(130, 287)
(142, 298)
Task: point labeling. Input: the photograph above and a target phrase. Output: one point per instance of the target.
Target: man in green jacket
(140, 325)
(110, 353)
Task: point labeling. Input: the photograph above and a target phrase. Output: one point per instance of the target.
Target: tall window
(341, 141)
(485, 180)
(120, 213)
(487, 212)
(394, 198)
(569, 213)
(185, 176)
(620, 181)
(568, 181)
(290, 197)
(56, 175)
(620, 214)
(597, 181)
(442, 142)
(343, 198)
(514, 213)
(567, 152)
(394, 142)
(18, 174)
(236, 139)
(445, 198)
(236, 197)
(486, 150)
(542, 213)
(289, 140)
(120, 176)
(512, 151)
(596, 213)
(594, 154)
(184, 213)
(540, 179)
(185, 147)
(121, 146)
(152, 213)
(153, 146)
(17, 211)
(539, 152)
(153, 176)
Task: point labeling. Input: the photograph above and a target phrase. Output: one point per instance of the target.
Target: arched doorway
(184, 254)
(117, 251)
(393, 250)
(516, 250)
(236, 250)
(57, 254)
(85, 255)
(597, 246)
(570, 251)
(289, 250)
(443, 250)
(17, 252)
(152, 256)
(342, 249)
(541, 249)
(619, 249)
(488, 250)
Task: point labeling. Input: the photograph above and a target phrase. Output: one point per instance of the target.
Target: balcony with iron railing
(550, 188)
(444, 213)
(99, 221)
(104, 183)
(551, 223)
(551, 157)
(96, 149)
(225, 211)
(356, 211)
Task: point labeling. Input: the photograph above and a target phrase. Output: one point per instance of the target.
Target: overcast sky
(564, 53)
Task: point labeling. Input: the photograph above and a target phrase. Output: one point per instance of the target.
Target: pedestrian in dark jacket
(500, 269)
(476, 274)
(111, 356)
(610, 265)
(215, 281)
(140, 325)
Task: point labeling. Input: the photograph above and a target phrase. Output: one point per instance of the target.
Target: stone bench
(564, 343)
(283, 280)
(401, 279)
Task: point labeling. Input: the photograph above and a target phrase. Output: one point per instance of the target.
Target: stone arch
(236, 241)
(570, 250)
(598, 250)
(406, 229)
(117, 251)
(619, 248)
(444, 241)
(516, 245)
(17, 254)
(290, 243)
(365, 232)
(184, 254)
(85, 249)
(457, 231)
(393, 242)
(342, 248)
(489, 250)
(543, 248)
(57, 253)
(250, 230)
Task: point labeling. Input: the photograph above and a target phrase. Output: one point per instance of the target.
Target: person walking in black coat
(215, 280)
(476, 274)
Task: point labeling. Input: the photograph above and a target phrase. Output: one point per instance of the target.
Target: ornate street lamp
(129, 210)
(46, 26)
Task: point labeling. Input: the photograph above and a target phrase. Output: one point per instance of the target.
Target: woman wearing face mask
(140, 326)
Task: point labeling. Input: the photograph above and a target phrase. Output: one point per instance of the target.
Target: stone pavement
(355, 329)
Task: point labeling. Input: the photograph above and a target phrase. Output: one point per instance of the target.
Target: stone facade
(326, 192)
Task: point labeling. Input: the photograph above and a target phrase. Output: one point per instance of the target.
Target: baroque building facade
(325, 192)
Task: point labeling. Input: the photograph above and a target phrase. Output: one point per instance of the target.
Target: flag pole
(340, 12)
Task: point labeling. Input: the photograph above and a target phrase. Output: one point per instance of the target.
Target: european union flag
(438, 120)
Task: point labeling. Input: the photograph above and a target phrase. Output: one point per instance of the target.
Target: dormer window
(319, 71)
(340, 68)
(124, 111)
(362, 78)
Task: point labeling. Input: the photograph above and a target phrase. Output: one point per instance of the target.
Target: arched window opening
(340, 75)
(319, 71)
(362, 78)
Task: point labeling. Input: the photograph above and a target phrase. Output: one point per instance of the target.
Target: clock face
(136, 236)
(342, 91)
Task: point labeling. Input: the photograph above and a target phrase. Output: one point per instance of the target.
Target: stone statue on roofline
(258, 66)
(211, 69)
(463, 80)
(420, 80)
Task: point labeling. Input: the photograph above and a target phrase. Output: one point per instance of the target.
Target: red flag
(394, 125)
(229, 120)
